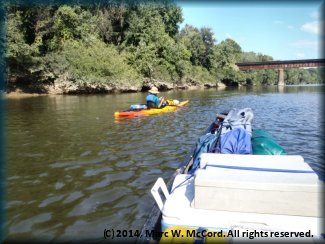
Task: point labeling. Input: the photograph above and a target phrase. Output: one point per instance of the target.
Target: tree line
(123, 46)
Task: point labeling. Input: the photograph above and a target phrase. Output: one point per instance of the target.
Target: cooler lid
(293, 162)
(256, 180)
(263, 172)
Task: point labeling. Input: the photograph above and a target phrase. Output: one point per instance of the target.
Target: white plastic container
(265, 184)
(180, 207)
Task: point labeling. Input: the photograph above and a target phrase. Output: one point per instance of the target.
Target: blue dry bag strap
(190, 176)
(260, 169)
(215, 148)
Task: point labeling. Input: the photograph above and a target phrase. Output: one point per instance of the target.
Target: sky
(285, 31)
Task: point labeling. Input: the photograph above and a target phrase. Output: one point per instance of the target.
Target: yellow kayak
(151, 111)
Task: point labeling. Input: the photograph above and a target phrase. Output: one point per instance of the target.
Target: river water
(72, 170)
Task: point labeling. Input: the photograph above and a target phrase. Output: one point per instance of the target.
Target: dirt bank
(28, 90)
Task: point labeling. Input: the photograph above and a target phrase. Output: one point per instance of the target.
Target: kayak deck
(152, 111)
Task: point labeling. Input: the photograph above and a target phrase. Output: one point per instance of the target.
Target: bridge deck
(282, 64)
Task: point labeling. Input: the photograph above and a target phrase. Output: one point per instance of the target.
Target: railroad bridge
(280, 65)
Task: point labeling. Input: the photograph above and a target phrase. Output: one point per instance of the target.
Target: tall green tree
(71, 23)
(171, 16)
(227, 53)
(112, 22)
(200, 43)
(291, 76)
(21, 55)
(209, 42)
(151, 49)
(191, 38)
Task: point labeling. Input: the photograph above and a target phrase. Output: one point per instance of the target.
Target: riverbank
(68, 88)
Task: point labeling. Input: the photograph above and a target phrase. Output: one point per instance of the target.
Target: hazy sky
(282, 30)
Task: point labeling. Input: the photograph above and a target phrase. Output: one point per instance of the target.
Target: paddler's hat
(154, 90)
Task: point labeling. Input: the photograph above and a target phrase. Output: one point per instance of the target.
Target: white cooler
(280, 184)
(221, 198)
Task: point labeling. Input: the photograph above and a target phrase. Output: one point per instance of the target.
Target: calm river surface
(73, 170)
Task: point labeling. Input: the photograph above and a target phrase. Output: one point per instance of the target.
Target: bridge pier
(280, 77)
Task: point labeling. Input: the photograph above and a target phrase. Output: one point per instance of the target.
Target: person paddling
(153, 101)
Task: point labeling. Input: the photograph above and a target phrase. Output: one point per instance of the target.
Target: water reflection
(73, 169)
